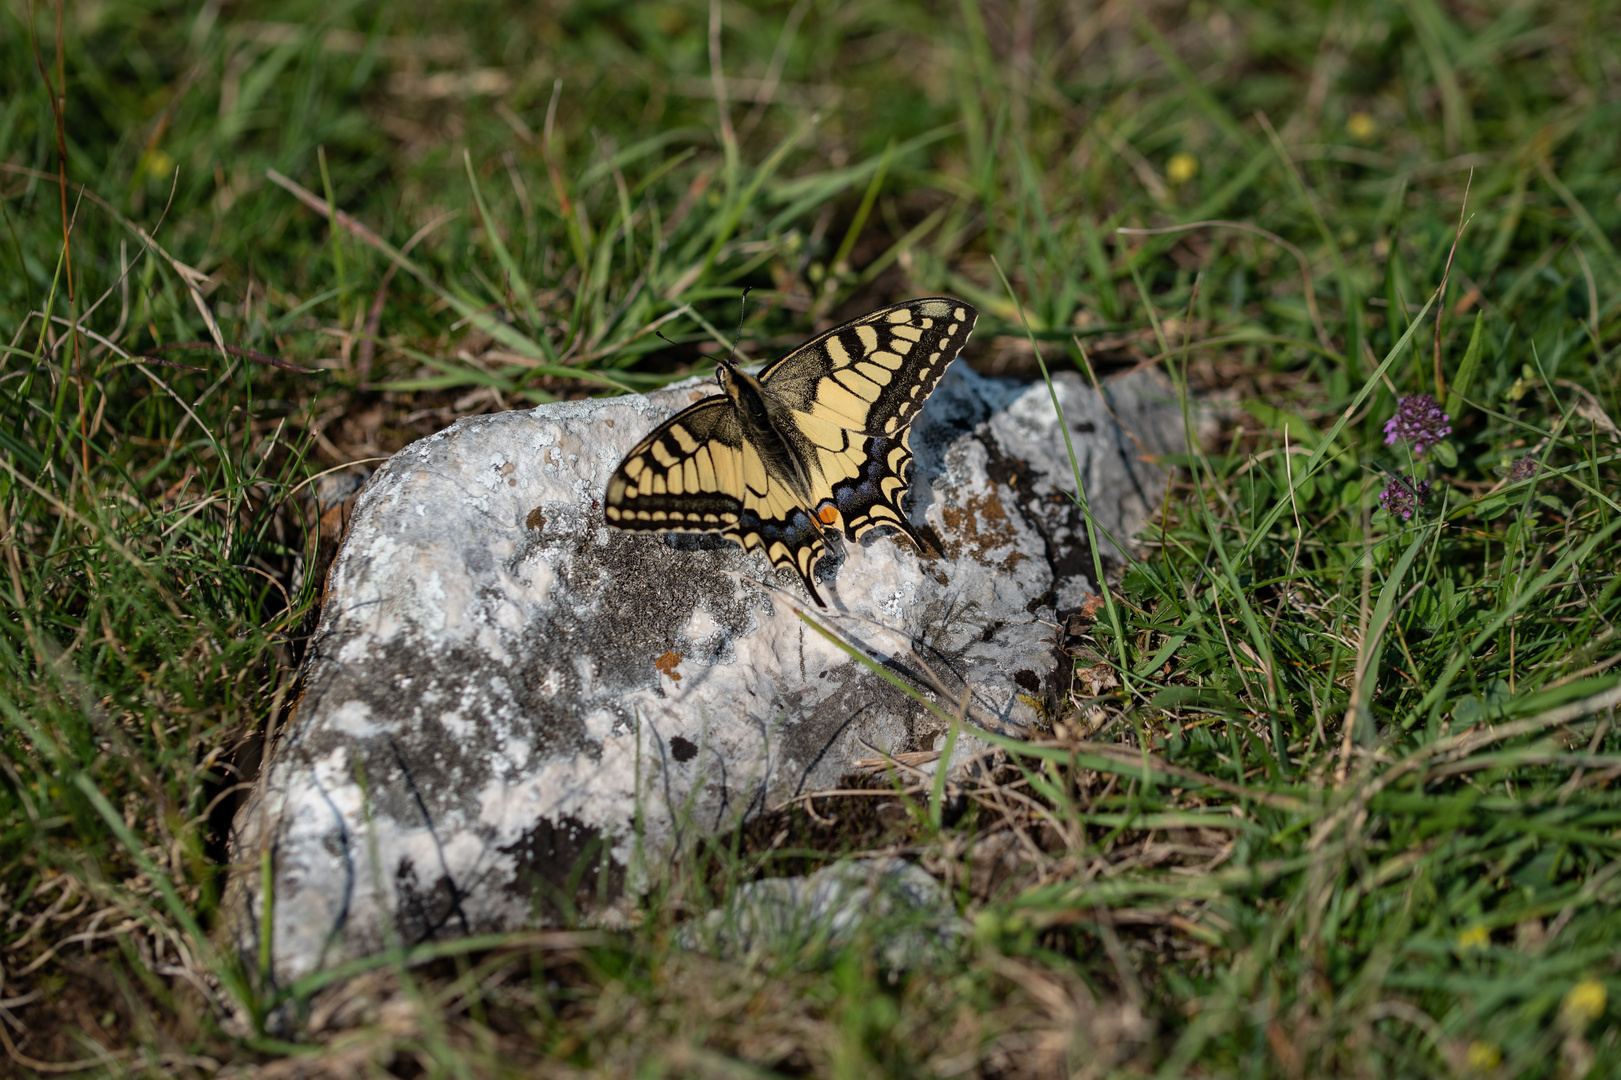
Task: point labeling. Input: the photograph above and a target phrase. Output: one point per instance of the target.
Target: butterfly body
(817, 442)
(769, 427)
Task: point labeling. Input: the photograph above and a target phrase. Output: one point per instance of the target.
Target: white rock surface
(511, 712)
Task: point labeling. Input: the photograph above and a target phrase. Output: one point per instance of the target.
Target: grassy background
(1333, 794)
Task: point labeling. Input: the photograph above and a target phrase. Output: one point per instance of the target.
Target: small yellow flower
(1483, 1056)
(1182, 167)
(156, 163)
(1476, 937)
(1359, 125)
(671, 20)
(1584, 1003)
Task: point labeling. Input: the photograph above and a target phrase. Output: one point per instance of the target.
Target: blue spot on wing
(850, 495)
(863, 490)
(797, 531)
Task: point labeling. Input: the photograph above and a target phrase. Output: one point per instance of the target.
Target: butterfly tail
(924, 549)
(810, 586)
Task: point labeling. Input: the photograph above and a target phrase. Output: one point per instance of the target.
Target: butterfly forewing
(696, 473)
(686, 476)
(873, 374)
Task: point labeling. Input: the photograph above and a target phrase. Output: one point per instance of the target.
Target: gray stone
(512, 713)
(904, 913)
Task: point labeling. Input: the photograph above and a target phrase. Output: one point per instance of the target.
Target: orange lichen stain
(667, 664)
(978, 527)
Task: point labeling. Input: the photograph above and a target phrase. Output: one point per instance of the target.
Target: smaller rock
(897, 906)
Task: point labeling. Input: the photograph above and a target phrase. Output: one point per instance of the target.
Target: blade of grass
(526, 295)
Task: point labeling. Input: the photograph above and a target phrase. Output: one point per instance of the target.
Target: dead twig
(843, 793)
(240, 353)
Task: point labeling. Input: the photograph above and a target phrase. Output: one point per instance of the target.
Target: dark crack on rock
(422, 913)
(1056, 516)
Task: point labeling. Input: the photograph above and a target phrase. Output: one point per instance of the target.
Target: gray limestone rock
(906, 914)
(512, 713)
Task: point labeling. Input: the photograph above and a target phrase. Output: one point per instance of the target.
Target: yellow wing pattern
(686, 476)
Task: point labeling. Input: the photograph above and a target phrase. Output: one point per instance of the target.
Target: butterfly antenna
(742, 306)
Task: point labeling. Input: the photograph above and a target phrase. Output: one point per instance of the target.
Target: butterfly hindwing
(869, 490)
(873, 374)
(774, 521)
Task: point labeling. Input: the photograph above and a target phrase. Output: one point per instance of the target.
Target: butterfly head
(725, 375)
(726, 372)
(734, 382)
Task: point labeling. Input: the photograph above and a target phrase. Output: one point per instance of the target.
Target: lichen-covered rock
(512, 712)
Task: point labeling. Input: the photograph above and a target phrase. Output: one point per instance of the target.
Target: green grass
(1335, 792)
